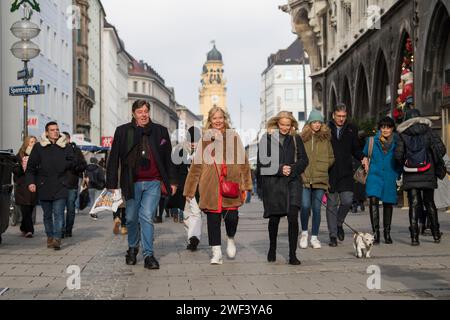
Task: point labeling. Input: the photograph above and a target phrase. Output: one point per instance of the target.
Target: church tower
(213, 92)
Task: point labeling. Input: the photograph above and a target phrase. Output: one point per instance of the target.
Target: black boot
(415, 210)
(375, 219)
(434, 222)
(293, 238)
(130, 258)
(273, 234)
(387, 220)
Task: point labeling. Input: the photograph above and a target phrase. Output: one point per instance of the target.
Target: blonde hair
(272, 124)
(211, 114)
(25, 144)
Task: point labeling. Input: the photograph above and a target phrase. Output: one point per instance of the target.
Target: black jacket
(435, 149)
(76, 173)
(279, 192)
(125, 139)
(22, 196)
(47, 169)
(181, 155)
(348, 146)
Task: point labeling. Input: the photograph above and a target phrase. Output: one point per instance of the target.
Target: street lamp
(25, 50)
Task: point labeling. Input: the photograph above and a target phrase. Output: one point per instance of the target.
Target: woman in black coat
(22, 196)
(281, 161)
(421, 184)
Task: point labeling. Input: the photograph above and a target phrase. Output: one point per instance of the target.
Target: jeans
(70, 205)
(93, 194)
(337, 217)
(313, 196)
(141, 210)
(53, 217)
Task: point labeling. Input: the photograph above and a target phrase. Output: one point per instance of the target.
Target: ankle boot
(434, 222)
(130, 258)
(387, 220)
(375, 219)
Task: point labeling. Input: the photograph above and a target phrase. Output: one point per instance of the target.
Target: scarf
(139, 156)
(386, 143)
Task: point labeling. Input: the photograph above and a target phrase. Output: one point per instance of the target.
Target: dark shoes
(387, 237)
(157, 220)
(193, 243)
(57, 244)
(272, 256)
(333, 242)
(151, 263)
(294, 261)
(130, 258)
(340, 233)
(376, 237)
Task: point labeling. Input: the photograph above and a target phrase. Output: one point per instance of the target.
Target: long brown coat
(321, 157)
(204, 175)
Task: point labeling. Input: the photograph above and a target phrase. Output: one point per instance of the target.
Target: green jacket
(321, 157)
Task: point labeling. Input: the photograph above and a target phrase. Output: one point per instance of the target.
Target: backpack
(97, 178)
(416, 158)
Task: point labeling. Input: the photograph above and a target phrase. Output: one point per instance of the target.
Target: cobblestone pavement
(31, 271)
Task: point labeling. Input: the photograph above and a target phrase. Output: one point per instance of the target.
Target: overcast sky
(174, 36)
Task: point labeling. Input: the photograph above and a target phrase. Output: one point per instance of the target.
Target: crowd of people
(297, 173)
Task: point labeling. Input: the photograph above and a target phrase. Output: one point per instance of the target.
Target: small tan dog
(363, 243)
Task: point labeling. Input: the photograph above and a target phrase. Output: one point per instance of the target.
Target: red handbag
(228, 189)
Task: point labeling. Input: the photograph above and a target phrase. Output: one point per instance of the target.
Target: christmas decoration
(405, 91)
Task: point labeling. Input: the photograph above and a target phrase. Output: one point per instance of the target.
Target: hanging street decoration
(33, 4)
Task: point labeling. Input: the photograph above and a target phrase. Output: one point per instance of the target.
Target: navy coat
(383, 172)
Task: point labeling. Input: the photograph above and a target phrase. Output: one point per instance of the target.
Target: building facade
(114, 82)
(377, 56)
(84, 94)
(96, 15)
(145, 83)
(213, 92)
(52, 69)
(186, 119)
(286, 84)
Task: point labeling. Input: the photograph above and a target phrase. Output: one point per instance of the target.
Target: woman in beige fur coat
(220, 157)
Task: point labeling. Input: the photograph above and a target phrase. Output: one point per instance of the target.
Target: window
(49, 44)
(79, 35)
(288, 95)
(301, 116)
(79, 71)
(135, 86)
(143, 87)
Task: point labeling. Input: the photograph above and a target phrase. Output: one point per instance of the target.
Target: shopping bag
(107, 201)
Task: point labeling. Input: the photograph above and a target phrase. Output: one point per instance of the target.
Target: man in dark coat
(142, 150)
(346, 145)
(73, 177)
(420, 185)
(46, 174)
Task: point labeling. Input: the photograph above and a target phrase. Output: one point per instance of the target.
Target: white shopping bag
(107, 201)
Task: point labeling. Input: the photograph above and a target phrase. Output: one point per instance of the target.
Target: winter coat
(434, 145)
(47, 168)
(341, 173)
(96, 176)
(203, 173)
(384, 171)
(22, 196)
(73, 176)
(126, 138)
(320, 155)
(279, 192)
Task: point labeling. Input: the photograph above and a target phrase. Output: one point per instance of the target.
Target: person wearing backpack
(420, 152)
(96, 176)
(383, 172)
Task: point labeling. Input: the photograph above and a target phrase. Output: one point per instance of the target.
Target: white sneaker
(217, 255)
(231, 248)
(303, 243)
(315, 243)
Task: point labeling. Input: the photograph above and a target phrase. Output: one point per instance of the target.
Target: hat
(315, 115)
(412, 113)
